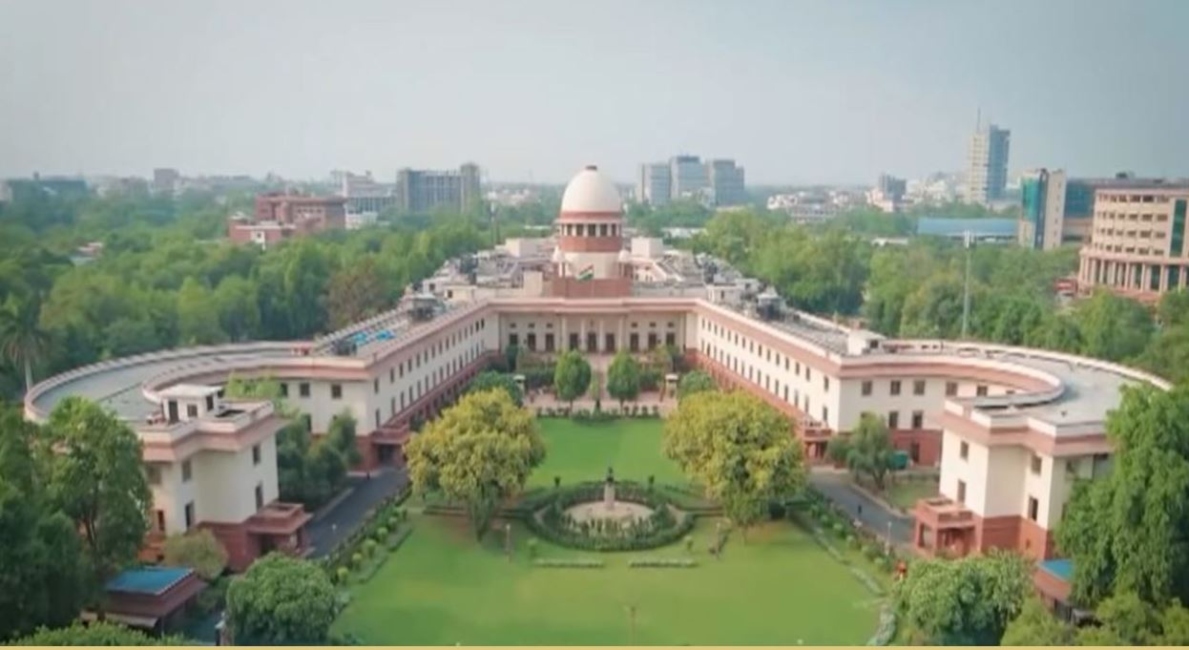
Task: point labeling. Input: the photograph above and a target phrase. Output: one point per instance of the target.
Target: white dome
(591, 191)
(625, 257)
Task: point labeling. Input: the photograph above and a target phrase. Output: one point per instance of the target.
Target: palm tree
(22, 341)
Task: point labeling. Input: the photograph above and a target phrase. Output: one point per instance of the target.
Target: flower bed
(549, 520)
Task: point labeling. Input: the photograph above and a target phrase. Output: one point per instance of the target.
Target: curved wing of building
(1007, 426)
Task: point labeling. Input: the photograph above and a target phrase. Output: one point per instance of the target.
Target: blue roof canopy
(147, 580)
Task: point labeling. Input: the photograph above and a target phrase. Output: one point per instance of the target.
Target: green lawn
(582, 451)
(444, 588)
(905, 493)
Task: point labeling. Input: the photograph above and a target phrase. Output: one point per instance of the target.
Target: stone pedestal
(609, 495)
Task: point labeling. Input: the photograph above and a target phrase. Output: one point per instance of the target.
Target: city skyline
(805, 92)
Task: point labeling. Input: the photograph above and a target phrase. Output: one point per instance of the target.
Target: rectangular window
(255, 454)
(259, 496)
(826, 384)
(825, 412)
(918, 419)
(152, 474)
(963, 450)
(191, 410)
(981, 390)
(865, 388)
(1033, 508)
(1036, 464)
(376, 386)
(918, 387)
(336, 391)
(895, 387)
(962, 492)
(894, 420)
(189, 515)
(303, 389)
(187, 471)
(284, 389)
(951, 388)
(160, 521)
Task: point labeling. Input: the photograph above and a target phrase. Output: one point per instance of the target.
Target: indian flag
(586, 273)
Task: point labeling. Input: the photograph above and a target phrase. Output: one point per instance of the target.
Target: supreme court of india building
(1009, 427)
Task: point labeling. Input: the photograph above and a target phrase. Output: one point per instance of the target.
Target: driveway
(326, 533)
(875, 517)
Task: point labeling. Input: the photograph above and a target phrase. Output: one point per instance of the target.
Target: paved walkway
(836, 486)
(345, 517)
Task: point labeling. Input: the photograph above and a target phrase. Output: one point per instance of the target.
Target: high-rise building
(165, 180)
(891, 188)
(726, 182)
(689, 175)
(655, 186)
(718, 182)
(986, 178)
(420, 191)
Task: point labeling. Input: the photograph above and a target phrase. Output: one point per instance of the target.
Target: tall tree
(739, 448)
(1129, 531)
(963, 602)
(22, 341)
(356, 292)
(571, 377)
(198, 320)
(341, 435)
(96, 476)
(42, 578)
(281, 601)
(695, 382)
(867, 451)
(478, 452)
(623, 377)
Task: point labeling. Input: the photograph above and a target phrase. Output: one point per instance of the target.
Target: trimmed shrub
(568, 564)
(662, 563)
(342, 574)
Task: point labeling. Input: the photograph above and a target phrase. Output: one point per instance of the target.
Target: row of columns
(1137, 276)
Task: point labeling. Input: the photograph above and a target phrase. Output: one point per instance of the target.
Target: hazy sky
(795, 90)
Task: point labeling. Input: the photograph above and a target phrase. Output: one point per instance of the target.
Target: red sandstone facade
(280, 216)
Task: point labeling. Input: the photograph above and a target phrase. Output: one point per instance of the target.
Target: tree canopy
(42, 577)
(281, 600)
(1128, 531)
(623, 377)
(96, 477)
(489, 379)
(968, 601)
(739, 448)
(696, 381)
(571, 376)
(198, 550)
(478, 453)
(867, 451)
(99, 633)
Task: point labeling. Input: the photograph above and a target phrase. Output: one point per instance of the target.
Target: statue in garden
(609, 490)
